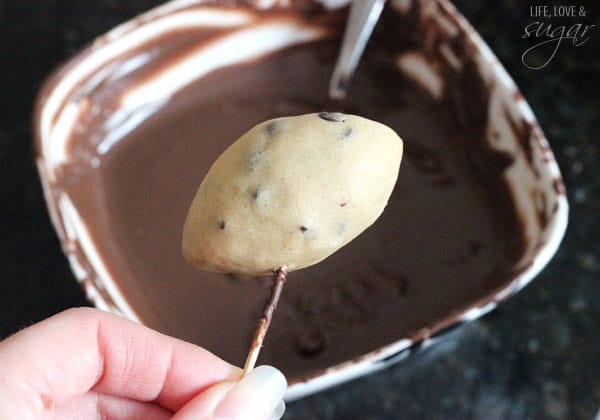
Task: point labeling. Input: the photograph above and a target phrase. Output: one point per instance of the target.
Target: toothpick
(265, 320)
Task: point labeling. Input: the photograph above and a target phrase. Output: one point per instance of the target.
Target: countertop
(536, 356)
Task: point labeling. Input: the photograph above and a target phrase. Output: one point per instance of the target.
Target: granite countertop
(536, 356)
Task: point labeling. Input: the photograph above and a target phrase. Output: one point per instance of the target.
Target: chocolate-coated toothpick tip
(265, 319)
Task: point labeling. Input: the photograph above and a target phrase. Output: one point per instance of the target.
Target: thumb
(258, 395)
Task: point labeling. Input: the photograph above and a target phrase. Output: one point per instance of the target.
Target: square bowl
(126, 130)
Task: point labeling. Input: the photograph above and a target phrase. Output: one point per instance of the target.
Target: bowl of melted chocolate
(128, 128)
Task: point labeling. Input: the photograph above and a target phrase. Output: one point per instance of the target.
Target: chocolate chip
(256, 192)
(303, 228)
(274, 126)
(254, 159)
(221, 224)
(347, 133)
(332, 116)
(343, 204)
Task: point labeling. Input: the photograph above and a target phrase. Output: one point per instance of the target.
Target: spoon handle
(363, 17)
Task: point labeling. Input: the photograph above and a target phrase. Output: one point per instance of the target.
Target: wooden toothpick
(265, 319)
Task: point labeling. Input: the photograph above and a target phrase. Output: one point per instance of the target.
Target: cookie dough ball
(291, 191)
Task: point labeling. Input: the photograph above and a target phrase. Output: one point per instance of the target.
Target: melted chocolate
(448, 238)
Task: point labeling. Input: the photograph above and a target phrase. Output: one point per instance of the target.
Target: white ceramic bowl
(533, 176)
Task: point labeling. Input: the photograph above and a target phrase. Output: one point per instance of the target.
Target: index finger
(70, 353)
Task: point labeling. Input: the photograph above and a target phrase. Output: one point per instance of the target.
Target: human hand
(84, 363)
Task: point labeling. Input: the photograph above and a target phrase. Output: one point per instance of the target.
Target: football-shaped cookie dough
(290, 192)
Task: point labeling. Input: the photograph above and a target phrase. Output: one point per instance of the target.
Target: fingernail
(256, 396)
(279, 411)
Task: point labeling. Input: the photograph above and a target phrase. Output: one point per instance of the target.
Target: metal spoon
(363, 17)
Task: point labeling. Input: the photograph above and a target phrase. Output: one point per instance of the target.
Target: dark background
(536, 356)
